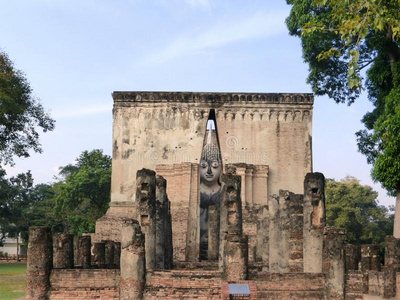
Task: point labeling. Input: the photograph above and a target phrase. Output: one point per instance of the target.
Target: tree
(23, 205)
(354, 207)
(20, 114)
(340, 39)
(84, 195)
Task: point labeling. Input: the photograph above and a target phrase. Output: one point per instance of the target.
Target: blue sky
(76, 53)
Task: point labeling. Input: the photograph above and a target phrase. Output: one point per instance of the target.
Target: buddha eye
(215, 164)
(203, 165)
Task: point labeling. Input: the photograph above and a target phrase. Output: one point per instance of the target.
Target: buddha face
(210, 171)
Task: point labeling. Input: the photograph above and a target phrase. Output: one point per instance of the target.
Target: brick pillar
(63, 251)
(369, 262)
(236, 257)
(314, 221)
(133, 265)
(117, 254)
(161, 216)
(146, 211)
(99, 255)
(296, 233)
(109, 254)
(230, 212)
(213, 232)
(353, 256)
(40, 257)
(391, 266)
(334, 261)
(169, 249)
(82, 253)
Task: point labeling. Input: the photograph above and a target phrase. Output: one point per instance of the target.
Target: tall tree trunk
(392, 50)
(396, 225)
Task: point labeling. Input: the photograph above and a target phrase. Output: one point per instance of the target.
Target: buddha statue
(210, 186)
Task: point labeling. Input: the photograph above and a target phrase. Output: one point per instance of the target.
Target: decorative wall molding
(212, 98)
(294, 114)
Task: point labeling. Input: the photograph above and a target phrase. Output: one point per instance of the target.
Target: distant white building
(10, 247)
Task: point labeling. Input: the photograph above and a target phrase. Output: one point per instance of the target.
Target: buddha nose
(209, 170)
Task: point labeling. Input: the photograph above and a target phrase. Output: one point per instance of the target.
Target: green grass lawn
(12, 280)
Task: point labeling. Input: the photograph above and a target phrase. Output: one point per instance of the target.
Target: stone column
(314, 221)
(63, 251)
(146, 211)
(40, 257)
(249, 184)
(192, 251)
(169, 249)
(241, 171)
(236, 260)
(262, 249)
(284, 231)
(391, 266)
(334, 262)
(369, 262)
(296, 233)
(98, 251)
(234, 255)
(260, 185)
(161, 216)
(133, 262)
(109, 254)
(213, 232)
(82, 253)
(274, 233)
(353, 256)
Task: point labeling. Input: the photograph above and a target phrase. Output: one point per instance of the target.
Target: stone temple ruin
(213, 197)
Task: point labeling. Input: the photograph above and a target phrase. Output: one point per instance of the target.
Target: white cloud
(259, 25)
(81, 111)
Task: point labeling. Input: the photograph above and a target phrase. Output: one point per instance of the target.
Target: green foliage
(23, 205)
(326, 76)
(20, 114)
(352, 21)
(354, 207)
(387, 164)
(84, 195)
(72, 204)
(342, 37)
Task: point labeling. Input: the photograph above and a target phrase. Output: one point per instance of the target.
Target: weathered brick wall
(354, 285)
(84, 284)
(182, 193)
(183, 284)
(108, 227)
(291, 286)
(375, 283)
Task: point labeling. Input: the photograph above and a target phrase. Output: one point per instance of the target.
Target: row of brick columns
(63, 251)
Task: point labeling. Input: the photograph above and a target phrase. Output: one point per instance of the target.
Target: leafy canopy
(23, 205)
(72, 204)
(84, 194)
(352, 21)
(340, 38)
(354, 207)
(21, 114)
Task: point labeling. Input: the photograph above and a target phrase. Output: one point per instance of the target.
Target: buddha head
(210, 163)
